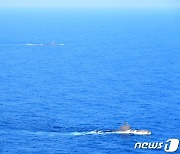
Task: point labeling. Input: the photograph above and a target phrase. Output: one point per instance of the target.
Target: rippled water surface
(115, 66)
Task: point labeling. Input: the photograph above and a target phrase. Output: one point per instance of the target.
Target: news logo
(171, 145)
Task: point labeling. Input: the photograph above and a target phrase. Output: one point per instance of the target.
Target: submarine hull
(135, 132)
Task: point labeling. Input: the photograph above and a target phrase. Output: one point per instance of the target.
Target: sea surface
(114, 66)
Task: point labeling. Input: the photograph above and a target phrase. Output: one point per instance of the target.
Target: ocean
(114, 66)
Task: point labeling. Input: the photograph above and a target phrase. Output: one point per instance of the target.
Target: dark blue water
(115, 66)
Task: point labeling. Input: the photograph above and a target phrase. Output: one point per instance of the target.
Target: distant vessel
(50, 44)
(54, 44)
(126, 129)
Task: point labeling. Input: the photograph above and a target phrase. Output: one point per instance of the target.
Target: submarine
(41, 44)
(125, 129)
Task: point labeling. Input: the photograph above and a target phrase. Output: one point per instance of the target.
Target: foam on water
(95, 132)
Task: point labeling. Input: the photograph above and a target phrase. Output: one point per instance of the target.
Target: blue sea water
(115, 66)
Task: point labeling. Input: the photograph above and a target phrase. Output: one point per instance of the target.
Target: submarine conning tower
(125, 127)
